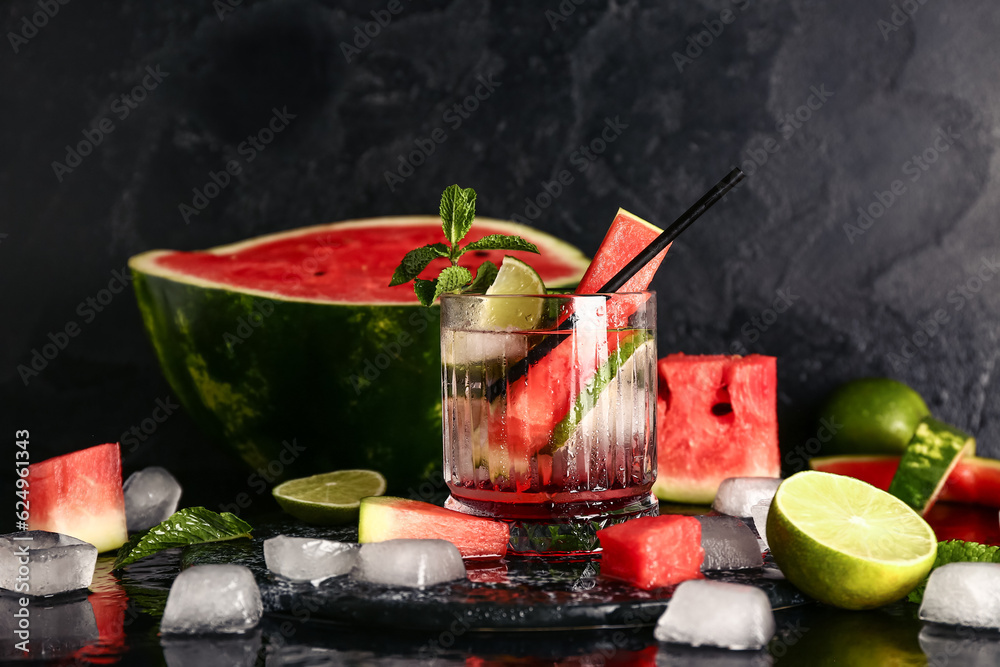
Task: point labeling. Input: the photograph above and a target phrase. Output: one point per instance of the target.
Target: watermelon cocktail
(549, 411)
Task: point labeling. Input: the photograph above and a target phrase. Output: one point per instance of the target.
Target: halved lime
(329, 498)
(515, 314)
(846, 543)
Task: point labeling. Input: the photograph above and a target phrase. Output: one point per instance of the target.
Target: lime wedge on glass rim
(329, 498)
(847, 543)
(518, 313)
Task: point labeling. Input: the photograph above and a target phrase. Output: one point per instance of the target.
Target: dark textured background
(854, 303)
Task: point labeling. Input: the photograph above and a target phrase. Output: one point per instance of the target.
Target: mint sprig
(957, 551)
(458, 211)
(192, 525)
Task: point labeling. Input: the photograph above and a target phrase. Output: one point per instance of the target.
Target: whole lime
(871, 416)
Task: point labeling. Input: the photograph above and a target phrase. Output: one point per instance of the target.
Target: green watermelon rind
(587, 399)
(288, 384)
(933, 452)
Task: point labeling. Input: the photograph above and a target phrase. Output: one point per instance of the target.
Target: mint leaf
(192, 525)
(452, 279)
(458, 210)
(425, 290)
(485, 275)
(501, 242)
(957, 551)
(416, 261)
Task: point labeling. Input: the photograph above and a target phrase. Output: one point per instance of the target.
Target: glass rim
(547, 296)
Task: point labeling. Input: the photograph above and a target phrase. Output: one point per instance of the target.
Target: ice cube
(48, 563)
(963, 594)
(212, 599)
(714, 613)
(729, 544)
(213, 651)
(736, 495)
(57, 627)
(675, 655)
(151, 496)
(307, 558)
(414, 563)
(945, 645)
(759, 513)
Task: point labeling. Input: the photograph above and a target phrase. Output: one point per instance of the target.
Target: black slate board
(522, 593)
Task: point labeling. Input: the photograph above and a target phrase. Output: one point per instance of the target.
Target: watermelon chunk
(975, 480)
(654, 551)
(716, 418)
(387, 518)
(80, 494)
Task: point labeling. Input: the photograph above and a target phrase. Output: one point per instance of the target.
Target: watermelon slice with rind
(933, 452)
(716, 418)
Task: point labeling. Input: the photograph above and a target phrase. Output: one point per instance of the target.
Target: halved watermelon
(974, 480)
(653, 551)
(716, 418)
(386, 518)
(80, 494)
(292, 348)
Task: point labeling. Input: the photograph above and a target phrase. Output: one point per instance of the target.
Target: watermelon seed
(722, 409)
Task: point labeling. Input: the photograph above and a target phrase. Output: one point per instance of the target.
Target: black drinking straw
(549, 343)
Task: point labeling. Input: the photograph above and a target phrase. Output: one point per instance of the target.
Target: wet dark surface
(519, 611)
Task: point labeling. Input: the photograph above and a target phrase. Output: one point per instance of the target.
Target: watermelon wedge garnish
(716, 418)
(546, 409)
(384, 518)
(974, 480)
(80, 494)
(289, 347)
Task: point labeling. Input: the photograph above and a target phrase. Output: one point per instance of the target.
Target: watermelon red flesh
(974, 480)
(352, 262)
(716, 418)
(536, 405)
(387, 518)
(957, 521)
(651, 552)
(301, 379)
(80, 495)
(626, 238)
